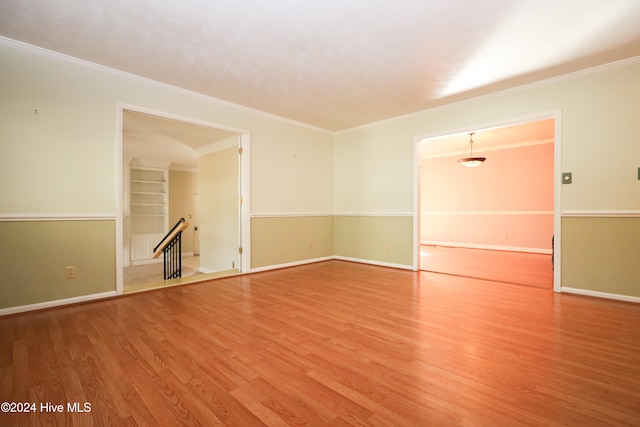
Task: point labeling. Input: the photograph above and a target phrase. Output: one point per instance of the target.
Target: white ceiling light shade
(471, 161)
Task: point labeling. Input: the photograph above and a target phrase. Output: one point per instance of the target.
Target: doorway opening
(177, 167)
(496, 221)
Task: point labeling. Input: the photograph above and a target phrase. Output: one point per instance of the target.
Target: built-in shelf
(148, 201)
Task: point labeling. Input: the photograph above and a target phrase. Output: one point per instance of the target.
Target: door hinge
(240, 249)
(240, 150)
(241, 200)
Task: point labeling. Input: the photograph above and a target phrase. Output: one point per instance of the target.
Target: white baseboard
(56, 303)
(489, 247)
(290, 264)
(370, 262)
(103, 295)
(340, 258)
(598, 294)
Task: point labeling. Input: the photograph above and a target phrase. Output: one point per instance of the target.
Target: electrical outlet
(389, 247)
(310, 245)
(233, 264)
(70, 272)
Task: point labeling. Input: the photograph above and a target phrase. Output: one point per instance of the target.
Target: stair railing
(171, 247)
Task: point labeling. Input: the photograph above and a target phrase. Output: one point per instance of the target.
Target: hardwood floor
(332, 343)
(520, 268)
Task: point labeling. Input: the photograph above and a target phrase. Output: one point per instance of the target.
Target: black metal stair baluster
(180, 254)
(172, 253)
(164, 262)
(173, 259)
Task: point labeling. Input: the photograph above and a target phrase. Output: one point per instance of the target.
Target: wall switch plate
(566, 177)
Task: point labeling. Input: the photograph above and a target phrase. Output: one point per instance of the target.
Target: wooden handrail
(169, 237)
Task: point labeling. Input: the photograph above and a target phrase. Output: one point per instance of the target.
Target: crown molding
(5, 41)
(517, 89)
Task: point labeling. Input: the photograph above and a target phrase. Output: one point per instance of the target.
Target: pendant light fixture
(471, 161)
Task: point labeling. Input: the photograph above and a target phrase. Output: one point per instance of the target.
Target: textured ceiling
(334, 64)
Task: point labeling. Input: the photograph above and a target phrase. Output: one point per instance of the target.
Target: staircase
(171, 247)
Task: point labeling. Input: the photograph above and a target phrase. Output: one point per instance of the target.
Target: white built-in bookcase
(149, 210)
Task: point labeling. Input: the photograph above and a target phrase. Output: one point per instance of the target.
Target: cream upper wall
(63, 159)
(291, 170)
(373, 171)
(599, 122)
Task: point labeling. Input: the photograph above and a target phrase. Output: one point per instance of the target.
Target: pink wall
(506, 203)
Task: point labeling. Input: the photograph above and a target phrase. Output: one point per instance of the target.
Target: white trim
(488, 247)
(243, 184)
(602, 213)
(245, 207)
(120, 203)
(311, 214)
(437, 213)
(102, 68)
(514, 90)
(557, 172)
(329, 258)
(381, 214)
(303, 214)
(529, 118)
(178, 117)
(291, 264)
(55, 303)
(417, 214)
(557, 201)
(371, 262)
(56, 217)
(97, 67)
(289, 214)
(598, 294)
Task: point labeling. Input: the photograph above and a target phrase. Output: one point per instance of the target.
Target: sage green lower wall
(35, 255)
(282, 240)
(601, 254)
(290, 239)
(598, 253)
(383, 239)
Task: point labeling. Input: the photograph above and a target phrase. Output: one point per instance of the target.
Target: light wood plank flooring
(520, 268)
(332, 343)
